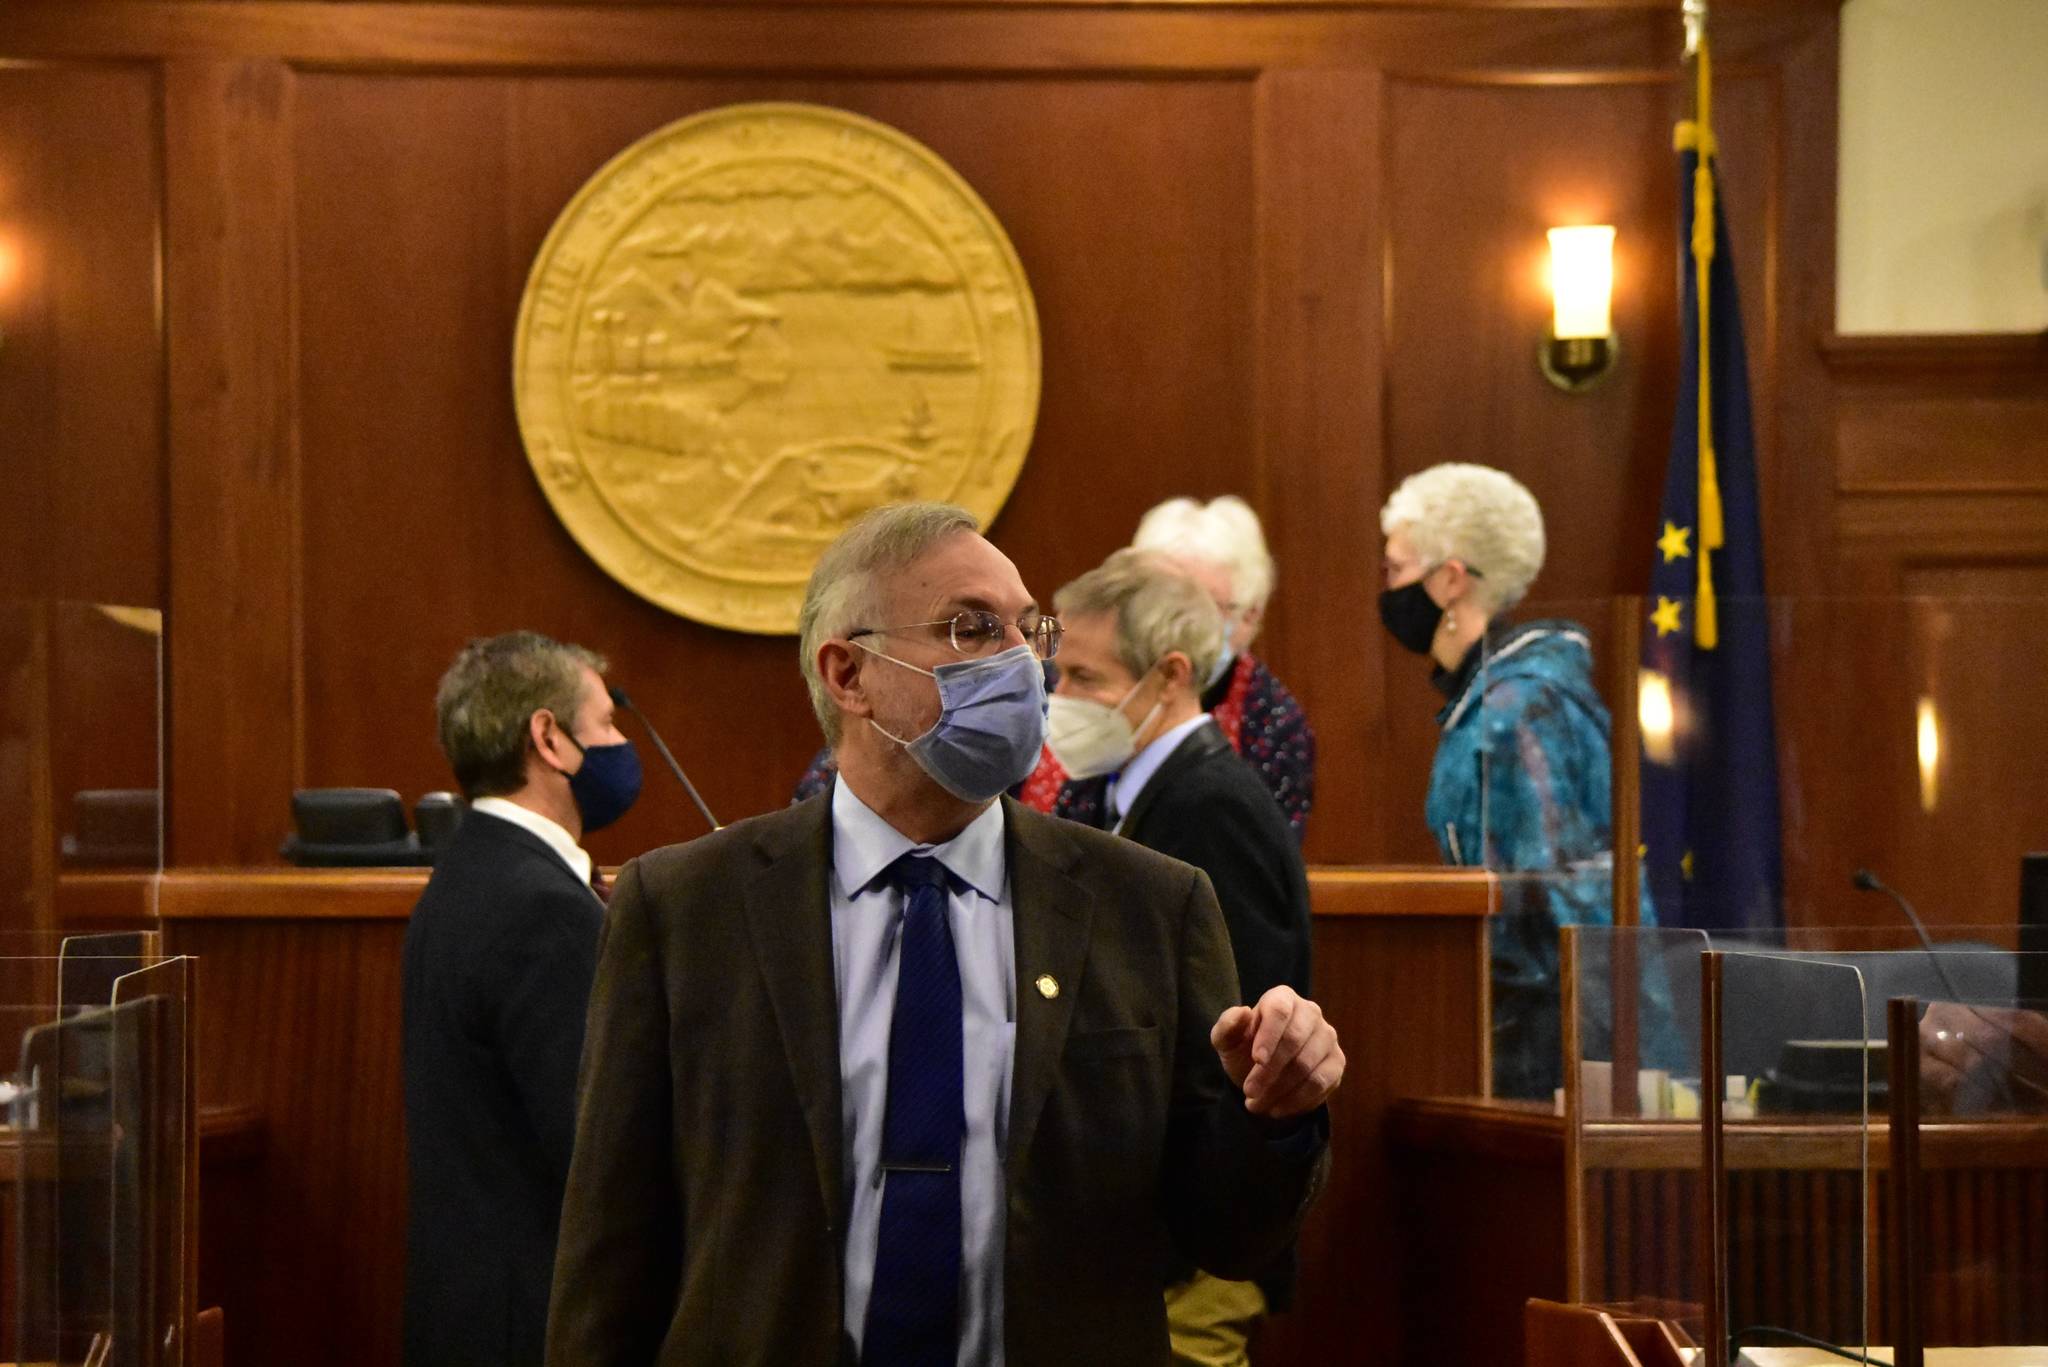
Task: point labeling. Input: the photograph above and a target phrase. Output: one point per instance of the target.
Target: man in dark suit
(910, 1076)
(498, 962)
(1141, 636)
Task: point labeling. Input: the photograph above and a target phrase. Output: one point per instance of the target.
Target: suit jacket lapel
(1052, 914)
(1194, 749)
(789, 916)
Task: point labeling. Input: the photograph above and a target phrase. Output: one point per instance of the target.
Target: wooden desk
(1485, 1211)
(300, 974)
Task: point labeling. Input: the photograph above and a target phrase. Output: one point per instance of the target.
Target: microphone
(1866, 881)
(620, 697)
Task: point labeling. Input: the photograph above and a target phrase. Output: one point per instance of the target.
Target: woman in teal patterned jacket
(1520, 783)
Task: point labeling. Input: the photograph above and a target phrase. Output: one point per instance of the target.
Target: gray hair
(1158, 610)
(1224, 531)
(489, 695)
(1476, 514)
(846, 585)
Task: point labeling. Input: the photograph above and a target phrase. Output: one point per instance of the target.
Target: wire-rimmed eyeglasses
(972, 631)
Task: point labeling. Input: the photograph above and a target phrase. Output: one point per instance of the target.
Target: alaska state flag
(1710, 779)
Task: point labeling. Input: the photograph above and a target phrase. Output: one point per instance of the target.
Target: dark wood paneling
(422, 523)
(1229, 218)
(1941, 415)
(301, 1023)
(1319, 461)
(81, 355)
(1386, 984)
(933, 35)
(1942, 520)
(233, 695)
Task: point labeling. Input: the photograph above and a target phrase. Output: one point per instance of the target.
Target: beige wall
(1944, 166)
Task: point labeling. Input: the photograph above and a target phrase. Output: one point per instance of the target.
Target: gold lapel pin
(1048, 986)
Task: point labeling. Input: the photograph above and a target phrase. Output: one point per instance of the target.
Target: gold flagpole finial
(1695, 12)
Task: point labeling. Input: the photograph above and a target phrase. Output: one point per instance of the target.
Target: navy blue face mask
(608, 783)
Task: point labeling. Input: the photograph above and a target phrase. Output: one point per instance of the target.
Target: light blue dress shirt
(867, 922)
(1125, 787)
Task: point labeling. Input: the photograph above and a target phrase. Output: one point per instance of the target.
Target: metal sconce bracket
(1576, 364)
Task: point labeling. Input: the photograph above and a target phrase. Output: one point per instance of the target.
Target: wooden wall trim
(2018, 358)
(921, 36)
(232, 894)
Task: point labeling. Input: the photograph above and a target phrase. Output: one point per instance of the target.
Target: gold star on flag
(1665, 618)
(1675, 543)
(1685, 866)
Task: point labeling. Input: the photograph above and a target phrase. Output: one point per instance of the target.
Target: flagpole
(1698, 132)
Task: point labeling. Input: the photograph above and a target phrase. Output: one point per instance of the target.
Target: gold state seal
(754, 325)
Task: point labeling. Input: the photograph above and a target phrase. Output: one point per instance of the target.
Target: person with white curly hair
(1521, 778)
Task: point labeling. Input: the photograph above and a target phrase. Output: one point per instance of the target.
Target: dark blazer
(705, 1216)
(1206, 807)
(498, 963)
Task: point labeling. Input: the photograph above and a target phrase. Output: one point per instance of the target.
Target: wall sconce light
(1582, 346)
(10, 276)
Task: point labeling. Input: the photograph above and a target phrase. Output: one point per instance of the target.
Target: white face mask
(1092, 738)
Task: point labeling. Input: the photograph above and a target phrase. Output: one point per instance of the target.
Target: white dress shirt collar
(864, 846)
(558, 839)
(1127, 785)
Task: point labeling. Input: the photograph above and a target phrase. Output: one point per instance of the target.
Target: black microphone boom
(619, 697)
(1867, 881)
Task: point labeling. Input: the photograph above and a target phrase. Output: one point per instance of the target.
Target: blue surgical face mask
(991, 724)
(607, 784)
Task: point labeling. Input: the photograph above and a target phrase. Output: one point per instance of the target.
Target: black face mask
(1411, 616)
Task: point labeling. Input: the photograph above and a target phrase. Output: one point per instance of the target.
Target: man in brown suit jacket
(906, 1076)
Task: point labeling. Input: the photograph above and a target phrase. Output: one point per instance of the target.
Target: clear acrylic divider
(99, 1144)
(1797, 1072)
(81, 775)
(1966, 1239)
(1635, 1204)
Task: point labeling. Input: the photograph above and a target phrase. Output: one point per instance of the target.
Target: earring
(1450, 621)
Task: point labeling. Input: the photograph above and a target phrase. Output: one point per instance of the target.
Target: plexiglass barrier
(98, 1144)
(81, 777)
(1966, 1238)
(1851, 762)
(1795, 1072)
(1632, 1110)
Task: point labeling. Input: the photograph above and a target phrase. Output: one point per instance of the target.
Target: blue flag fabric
(1710, 782)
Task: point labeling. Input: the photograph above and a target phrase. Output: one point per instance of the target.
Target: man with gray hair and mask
(906, 1074)
(1141, 636)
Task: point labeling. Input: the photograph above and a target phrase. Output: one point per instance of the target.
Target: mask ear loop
(881, 655)
(1139, 728)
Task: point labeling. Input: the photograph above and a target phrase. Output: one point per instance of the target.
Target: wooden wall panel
(1320, 466)
(235, 704)
(81, 351)
(1130, 203)
(300, 1023)
(1230, 218)
(1941, 501)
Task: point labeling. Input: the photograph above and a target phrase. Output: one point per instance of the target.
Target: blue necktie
(914, 1307)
